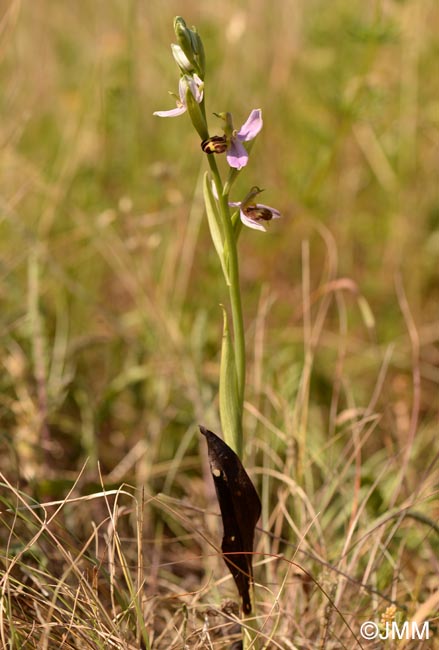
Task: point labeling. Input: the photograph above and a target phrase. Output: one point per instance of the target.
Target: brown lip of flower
(252, 214)
(215, 144)
(256, 213)
(232, 140)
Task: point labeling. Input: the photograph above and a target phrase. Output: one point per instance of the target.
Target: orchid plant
(224, 224)
(225, 219)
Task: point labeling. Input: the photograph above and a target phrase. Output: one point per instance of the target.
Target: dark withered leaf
(240, 510)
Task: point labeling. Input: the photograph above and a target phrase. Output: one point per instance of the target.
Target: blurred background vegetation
(110, 288)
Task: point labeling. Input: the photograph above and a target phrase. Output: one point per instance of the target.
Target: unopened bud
(181, 59)
(191, 45)
(183, 35)
(199, 49)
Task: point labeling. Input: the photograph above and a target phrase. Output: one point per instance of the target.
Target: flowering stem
(234, 292)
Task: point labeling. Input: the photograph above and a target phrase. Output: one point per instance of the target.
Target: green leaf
(230, 409)
(214, 221)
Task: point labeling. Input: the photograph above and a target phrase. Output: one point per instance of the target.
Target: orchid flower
(250, 213)
(195, 85)
(237, 155)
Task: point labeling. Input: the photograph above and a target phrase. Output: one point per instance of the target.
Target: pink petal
(172, 113)
(237, 156)
(182, 85)
(252, 126)
(196, 86)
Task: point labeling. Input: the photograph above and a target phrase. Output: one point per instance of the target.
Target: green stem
(234, 288)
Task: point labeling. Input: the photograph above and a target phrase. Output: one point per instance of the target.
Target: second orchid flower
(231, 141)
(252, 214)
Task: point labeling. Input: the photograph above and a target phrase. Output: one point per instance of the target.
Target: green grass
(111, 326)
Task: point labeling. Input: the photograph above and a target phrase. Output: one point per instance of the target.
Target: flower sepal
(190, 88)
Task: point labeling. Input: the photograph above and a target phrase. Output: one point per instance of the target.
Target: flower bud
(199, 49)
(191, 45)
(181, 59)
(183, 35)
